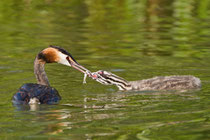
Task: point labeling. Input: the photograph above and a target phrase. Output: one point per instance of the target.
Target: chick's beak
(77, 66)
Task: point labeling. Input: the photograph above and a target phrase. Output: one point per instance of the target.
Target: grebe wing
(45, 94)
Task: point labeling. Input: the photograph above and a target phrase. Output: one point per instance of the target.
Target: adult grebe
(182, 83)
(42, 93)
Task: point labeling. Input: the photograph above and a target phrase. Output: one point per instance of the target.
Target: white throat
(62, 59)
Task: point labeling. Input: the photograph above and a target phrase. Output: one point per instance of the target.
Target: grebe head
(56, 54)
(107, 78)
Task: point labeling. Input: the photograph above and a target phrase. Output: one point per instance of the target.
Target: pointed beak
(77, 66)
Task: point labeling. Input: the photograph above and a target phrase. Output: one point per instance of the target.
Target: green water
(135, 39)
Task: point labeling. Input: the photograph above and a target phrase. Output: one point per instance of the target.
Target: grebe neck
(40, 73)
(122, 84)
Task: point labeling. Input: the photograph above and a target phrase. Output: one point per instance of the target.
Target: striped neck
(108, 78)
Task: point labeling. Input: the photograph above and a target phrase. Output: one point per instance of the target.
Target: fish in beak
(73, 63)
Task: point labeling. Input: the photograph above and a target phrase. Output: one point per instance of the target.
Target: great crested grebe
(182, 83)
(42, 93)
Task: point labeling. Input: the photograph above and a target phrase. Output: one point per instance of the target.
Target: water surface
(135, 39)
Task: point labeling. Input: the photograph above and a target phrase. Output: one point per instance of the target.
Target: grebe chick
(185, 82)
(42, 93)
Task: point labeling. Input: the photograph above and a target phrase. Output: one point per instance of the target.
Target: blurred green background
(135, 39)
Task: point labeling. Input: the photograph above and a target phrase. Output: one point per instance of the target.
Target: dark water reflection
(134, 39)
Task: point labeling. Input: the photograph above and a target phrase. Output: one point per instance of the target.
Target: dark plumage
(45, 94)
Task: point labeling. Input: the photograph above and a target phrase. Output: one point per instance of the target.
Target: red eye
(67, 58)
